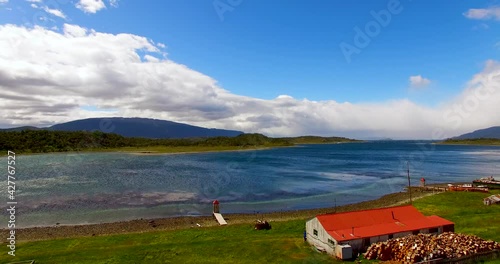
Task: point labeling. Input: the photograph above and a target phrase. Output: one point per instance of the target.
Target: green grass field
(241, 243)
(230, 244)
(466, 210)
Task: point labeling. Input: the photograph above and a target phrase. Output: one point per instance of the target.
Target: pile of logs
(426, 247)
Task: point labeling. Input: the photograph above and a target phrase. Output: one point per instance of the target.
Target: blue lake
(76, 188)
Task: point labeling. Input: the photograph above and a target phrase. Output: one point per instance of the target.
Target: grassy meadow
(229, 244)
(467, 211)
(240, 243)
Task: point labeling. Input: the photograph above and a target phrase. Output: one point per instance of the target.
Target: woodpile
(426, 247)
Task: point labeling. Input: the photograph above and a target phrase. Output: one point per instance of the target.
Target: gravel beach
(149, 225)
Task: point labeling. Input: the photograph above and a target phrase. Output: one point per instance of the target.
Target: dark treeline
(473, 141)
(318, 140)
(40, 141)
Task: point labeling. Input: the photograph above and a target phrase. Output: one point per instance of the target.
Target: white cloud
(90, 6)
(55, 12)
(113, 3)
(418, 81)
(483, 13)
(150, 58)
(53, 78)
(3, 2)
(74, 30)
(34, 1)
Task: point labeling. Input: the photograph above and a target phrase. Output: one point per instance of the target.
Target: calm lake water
(81, 188)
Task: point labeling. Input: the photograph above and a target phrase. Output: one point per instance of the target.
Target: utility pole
(409, 183)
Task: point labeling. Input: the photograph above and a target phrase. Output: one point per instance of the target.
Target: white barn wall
(322, 239)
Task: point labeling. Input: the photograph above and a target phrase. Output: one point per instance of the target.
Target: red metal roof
(377, 222)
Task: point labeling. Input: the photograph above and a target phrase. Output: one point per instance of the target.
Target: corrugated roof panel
(377, 222)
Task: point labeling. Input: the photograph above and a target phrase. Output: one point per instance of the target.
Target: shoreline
(466, 144)
(149, 152)
(186, 222)
(155, 152)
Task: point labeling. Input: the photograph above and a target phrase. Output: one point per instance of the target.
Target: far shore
(185, 222)
(168, 150)
(469, 144)
(152, 151)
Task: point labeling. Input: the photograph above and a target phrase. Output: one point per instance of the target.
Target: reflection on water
(101, 187)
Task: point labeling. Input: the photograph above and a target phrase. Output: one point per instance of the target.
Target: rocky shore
(149, 225)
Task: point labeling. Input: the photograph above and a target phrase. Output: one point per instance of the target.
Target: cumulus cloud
(55, 12)
(56, 78)
(483, 13)
(418, 81)
(52, 11)
(74, 30)
(91, 6)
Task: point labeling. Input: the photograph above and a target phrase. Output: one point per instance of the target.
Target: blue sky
(264, 49)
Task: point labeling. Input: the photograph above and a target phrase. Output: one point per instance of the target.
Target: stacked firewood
(425, 247)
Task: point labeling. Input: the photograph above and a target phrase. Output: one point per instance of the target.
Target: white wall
(321, 240)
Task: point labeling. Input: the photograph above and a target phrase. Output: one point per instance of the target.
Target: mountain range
(136, 127)
(155, 128)
(492, 132)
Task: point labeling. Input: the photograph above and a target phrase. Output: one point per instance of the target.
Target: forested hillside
(40, 141)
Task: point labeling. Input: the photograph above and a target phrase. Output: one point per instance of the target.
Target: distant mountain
(139, 127)
(492, 132)
(20, 128)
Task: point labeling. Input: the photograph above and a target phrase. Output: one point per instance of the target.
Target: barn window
(315, 232)
(331, 242)
(391, 236)
(415, 232)
(433, 230)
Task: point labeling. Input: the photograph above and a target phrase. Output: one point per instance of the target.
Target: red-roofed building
(340, 234)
